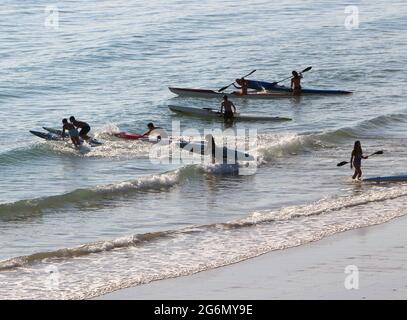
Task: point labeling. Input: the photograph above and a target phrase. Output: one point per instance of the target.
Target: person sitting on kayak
(151, 128)
(242, 82)
(356, 160)
(296, 82)
(85, 128)
(227, 108)
(73, 132)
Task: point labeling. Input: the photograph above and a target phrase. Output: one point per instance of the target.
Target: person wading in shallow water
(356, 160)
(227, 108)
(85, 128)
(73, 132)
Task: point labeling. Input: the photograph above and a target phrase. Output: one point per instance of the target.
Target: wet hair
(225, 97)
(71, 118)
(295, 73)
(64, 120)
(357, 147)
(150, 124)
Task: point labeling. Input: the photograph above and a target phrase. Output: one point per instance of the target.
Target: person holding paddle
(356, 160)
(242, 82)
(296, 82)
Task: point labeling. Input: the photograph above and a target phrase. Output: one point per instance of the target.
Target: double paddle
(224, 88)
(272, 84)
(340, 164)
(276, 82)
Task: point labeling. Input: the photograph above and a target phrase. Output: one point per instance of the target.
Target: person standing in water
(227, 108)
(296, 82)
(73, 132)
(356, 160)
(85, 128)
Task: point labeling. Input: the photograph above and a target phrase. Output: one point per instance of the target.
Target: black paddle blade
(340, 164)
(379, 152)
(306, 69)
(224, 88)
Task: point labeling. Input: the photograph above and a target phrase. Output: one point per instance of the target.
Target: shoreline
(312, 271)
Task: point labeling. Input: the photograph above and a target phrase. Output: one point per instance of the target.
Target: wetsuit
(85, 128)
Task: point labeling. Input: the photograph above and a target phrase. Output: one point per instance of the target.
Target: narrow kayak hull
(203, 93)
(224, 153)
(214, 114)
(58, 132)
(46, 135)
(398, 178)
(263, 85)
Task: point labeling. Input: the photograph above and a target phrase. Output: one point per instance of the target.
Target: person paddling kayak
(356, 160)
(296, 82)
(85, 128)
(227, 108)
(242, 82)
(73, 132)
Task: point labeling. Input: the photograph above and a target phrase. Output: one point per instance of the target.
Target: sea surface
(77, 225)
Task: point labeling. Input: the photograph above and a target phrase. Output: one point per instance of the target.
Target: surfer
(242, 82)
(151, 127)
(85, 128)
(356, 160)
(296, 82)
(227, 108)
(73, 132)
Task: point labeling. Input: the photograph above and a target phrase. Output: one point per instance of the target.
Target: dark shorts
(84, 131)
(228, 115)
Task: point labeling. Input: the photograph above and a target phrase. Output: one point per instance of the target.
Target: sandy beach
(312, 271)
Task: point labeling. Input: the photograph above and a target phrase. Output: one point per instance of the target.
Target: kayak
(224, 152)
(263, 85)
(211, 113)
(53, 137)
(58, 132)
(398, 178)
(204, 93)
(46, 135)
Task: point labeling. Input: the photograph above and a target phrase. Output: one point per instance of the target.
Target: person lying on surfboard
(151, 127)
(296, 82)
(85, 128)
(356, 160)
(73, 132)
(227, 108)
(242, 82)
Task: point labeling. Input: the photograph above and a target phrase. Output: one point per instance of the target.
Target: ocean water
(77, 225)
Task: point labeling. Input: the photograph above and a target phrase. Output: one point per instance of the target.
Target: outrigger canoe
(204, 93)
(211, 113)
(263, 85)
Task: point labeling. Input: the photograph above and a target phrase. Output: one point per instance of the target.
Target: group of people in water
(228, 109)
(72, 127)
